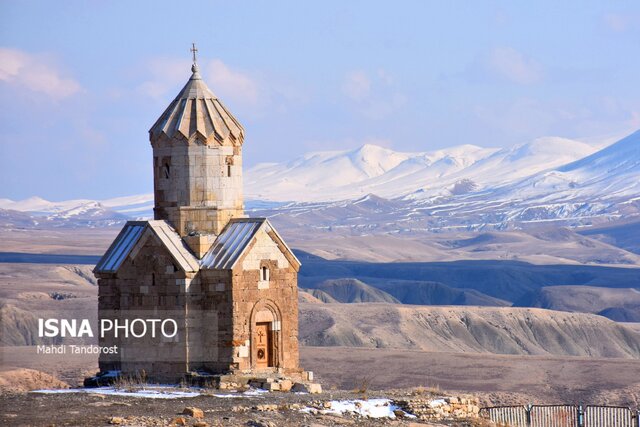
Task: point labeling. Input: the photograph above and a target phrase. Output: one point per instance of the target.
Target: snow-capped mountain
(341, 175)
(603, 184)
(140, 206)
(609, 174)
(72, 213)
(132, 206)
(39, 205)
(547, 179)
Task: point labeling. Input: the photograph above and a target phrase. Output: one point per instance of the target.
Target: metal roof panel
(231, 243)
(120, 248)
(131, 234)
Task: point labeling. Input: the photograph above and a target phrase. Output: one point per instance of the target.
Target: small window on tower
(265, 274)
(229, 162)
(166, 171)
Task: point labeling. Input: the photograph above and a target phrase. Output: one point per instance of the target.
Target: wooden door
(263, 345)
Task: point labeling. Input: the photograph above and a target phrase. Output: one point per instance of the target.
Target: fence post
(580, 416)
(528, 409)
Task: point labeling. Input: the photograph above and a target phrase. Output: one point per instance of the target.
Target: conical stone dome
(198, 113)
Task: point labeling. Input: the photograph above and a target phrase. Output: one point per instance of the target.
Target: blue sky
(81, 82)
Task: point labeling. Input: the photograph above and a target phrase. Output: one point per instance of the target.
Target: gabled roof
(234, 241)
(197, 110)
(133, 232)
(225, 252)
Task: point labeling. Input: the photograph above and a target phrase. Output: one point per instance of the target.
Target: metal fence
(562, 416)
(609, 416)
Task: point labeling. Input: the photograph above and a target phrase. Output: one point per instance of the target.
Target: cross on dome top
(194, 67)
(194, 50)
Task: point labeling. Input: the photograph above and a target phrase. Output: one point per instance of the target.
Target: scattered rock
(59, 296)
(310, 388)
(200, 424)
(399, 413)
(285, 385)
(100, 404)
(193, 412)
(179, 421)
(228, 385)
(116, 420)
(266, 407)
(261, 423)
(315, 388)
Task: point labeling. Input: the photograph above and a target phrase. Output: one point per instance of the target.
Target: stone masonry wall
(211, 322)
(197, 187)
(274, 300)
(438, 409)
(148, 285)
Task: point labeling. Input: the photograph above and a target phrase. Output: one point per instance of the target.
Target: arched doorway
(265, 336)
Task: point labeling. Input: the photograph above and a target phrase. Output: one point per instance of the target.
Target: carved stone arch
(266, 310)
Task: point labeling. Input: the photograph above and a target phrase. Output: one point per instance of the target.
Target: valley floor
(496, 379)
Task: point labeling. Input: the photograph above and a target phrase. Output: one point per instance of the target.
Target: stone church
(229, 281)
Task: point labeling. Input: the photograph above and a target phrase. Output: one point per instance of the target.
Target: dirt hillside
(499, 330)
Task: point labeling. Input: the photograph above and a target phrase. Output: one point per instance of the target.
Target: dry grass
(362, 385)
(131, 383)
(423, 390)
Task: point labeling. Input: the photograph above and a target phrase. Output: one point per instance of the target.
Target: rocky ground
(496, 379)
(211, 409)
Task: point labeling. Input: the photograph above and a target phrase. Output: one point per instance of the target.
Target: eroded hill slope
(498, 330)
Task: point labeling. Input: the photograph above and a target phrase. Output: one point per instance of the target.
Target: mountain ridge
(547, 179)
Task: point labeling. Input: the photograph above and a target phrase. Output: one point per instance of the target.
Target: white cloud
(249, 93)
(357, 85)
(526, 117)
(617, 22)
(513, 65)
(232, 84)
(634, 120)
(35, 73)
(164, 75)
(374, 96)
(382, 108)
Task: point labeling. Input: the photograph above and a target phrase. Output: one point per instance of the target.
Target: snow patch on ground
(252, 392)
(372, 408)
(146, 392)
(154, 392)
(437, 402)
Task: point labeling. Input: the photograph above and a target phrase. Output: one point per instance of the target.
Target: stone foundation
(440, 409)
(276, 382)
